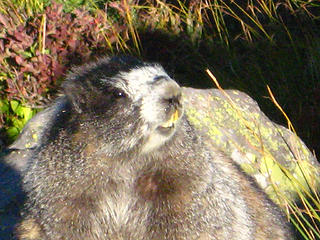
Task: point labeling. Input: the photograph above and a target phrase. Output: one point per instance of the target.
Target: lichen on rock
(277, 158)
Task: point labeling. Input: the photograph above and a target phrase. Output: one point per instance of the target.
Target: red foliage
(39, 51)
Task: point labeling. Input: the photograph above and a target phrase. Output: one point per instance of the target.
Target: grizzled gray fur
(126, 164)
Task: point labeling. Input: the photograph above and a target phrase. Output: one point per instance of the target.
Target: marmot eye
(117, 93)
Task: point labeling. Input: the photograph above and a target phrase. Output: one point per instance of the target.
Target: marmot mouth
(169, 125)
(165, 130)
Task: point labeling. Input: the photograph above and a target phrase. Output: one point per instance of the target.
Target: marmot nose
(170, 93)
(172, 97)
(175, 100)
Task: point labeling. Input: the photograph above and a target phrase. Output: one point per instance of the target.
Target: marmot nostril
(175, 101)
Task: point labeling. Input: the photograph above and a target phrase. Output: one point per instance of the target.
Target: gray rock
(276, 157)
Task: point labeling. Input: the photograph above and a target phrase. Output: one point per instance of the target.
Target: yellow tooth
(174, 117)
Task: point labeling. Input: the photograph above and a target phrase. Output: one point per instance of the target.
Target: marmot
(127, 164)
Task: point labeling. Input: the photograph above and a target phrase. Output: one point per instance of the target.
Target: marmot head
(132, 105)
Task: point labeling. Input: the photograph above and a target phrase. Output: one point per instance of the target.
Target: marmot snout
(165, 107)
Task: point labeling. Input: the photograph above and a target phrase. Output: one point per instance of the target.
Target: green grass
(246, 44)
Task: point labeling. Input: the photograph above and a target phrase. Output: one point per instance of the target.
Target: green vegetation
(17, 116)
(247, 45)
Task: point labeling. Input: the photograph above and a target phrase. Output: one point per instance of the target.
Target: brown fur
(29, 230)
(114, 172)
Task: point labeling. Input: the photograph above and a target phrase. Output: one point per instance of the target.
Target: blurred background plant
(246, 44)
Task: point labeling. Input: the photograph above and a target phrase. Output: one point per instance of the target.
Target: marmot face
(131, 104)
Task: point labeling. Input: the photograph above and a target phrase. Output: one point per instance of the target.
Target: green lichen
(35, 137)
(266, 149)
(194, 117)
